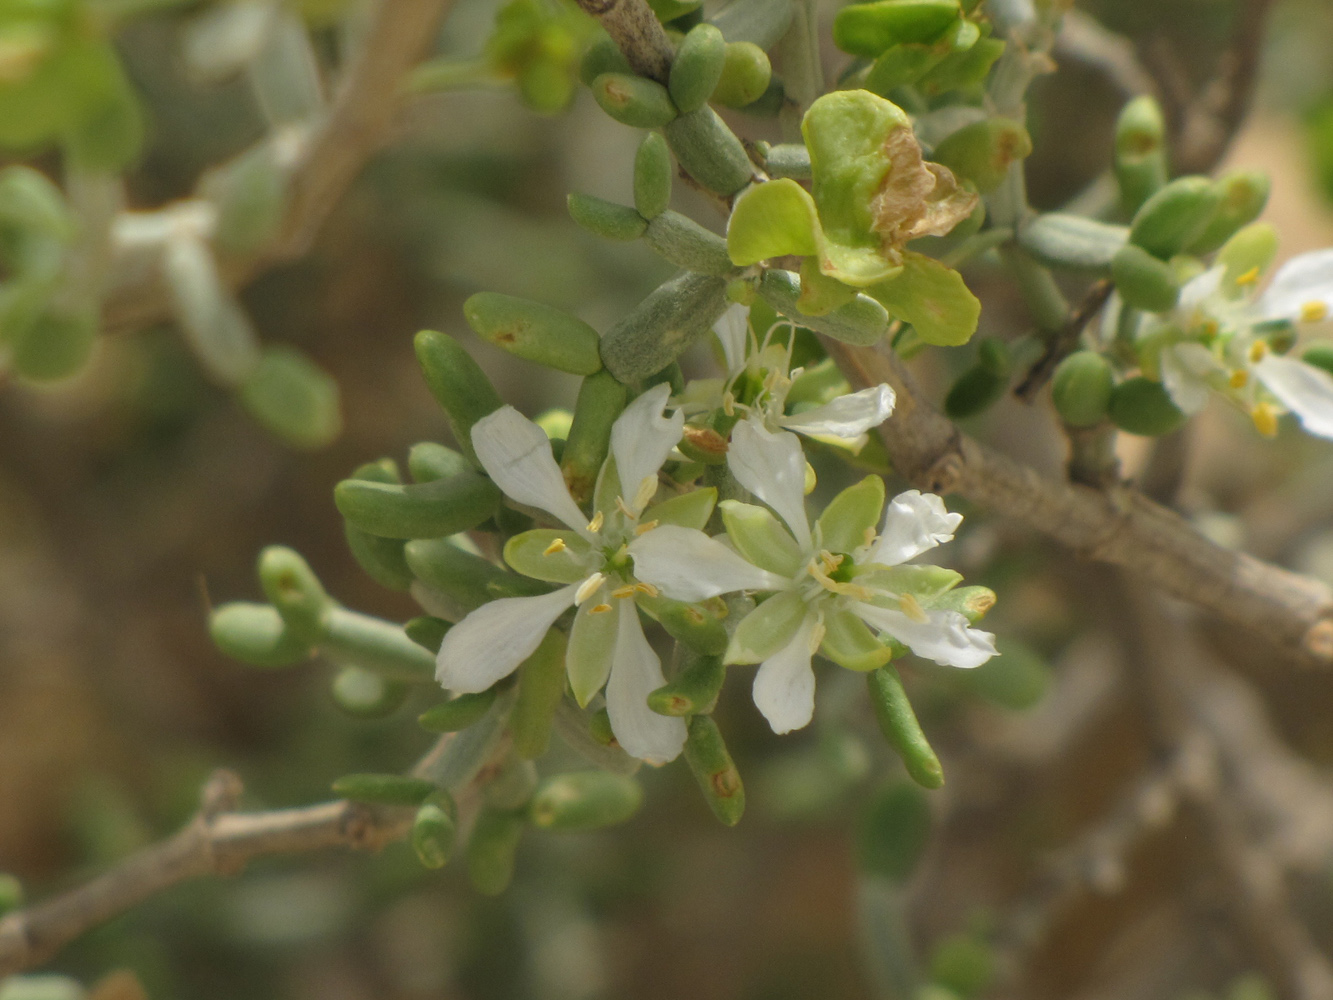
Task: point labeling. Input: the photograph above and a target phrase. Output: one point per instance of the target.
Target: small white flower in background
(837, 587)
(606, 644)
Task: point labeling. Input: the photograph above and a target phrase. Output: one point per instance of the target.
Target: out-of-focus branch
(634, 27)
(1086, 40)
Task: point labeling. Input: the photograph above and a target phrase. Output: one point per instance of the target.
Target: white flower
(606, 643)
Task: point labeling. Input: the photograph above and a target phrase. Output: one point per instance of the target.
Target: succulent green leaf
(933, 298)
(773, 219)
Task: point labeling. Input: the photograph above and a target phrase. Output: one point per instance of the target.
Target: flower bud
(599, 728)
(601, 400)
(534, 331)
(900, 727)
(1244, 195)
(862, 321)
(457, 713)
(867, 29)
(367, 695)
(602, 56)
(713, 768)
(457, 383)
(699, 626)
(1140, 152)
(652, 176)
(465, 577)
(1081, 388)
(257, 635)
(697, 67)
(746, 75)
(634, 101)
(584, 800)
(1144, 281)
(694, 691)
(491, 849)
(433, 834)
(894, 831)
(1072, 242)
(292, 397)
(984, 151)
(382, 558)
(1175, 216)
(56, 345)
(374, 644)
(427, 631)
(383, 789)
(1142, 406)
(424, 510)
(541, 685)
(605, 218)
(294, 590)
(660, 327)
(788, 159)
(709, 151)
(687, 244)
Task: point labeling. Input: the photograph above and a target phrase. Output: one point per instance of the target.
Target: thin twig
(1086, 40)
(1066, 340)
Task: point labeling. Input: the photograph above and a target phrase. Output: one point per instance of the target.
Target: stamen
(599, 609)
(1249, 277)
(1313, 312)
(1209, 329)
(1239, 379)
(623, 592)
(623, 508)
(1264, 416)
(589, 587)
(729, 403)
(647, 588)
(645, 492)
(595, 525)
(1257, 351)
(646, 527)
(811, 481)
(557, 546)
(911, 607)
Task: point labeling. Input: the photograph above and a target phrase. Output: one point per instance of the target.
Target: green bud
(584, 800)
(491, 850)
(1081, 388)
(900, 727)
(790, 159)
(1175, 216)
(694, 692)
(11, 893)
(1254, 246)
(382, 558)
(427, 631)
(709, 151)
(1072, 242)
(433, 834)
(1140, 152)
(1144, 281)
(867, 29)
(465, 577)
(601, 400)
(457, 383)
(367, 695)
(698, 626)
(634, 101)
(602, 56)
(424, 510)
(697, 67)
(1244, 195)
(652, 175)
(862, 321)
(257, 635)
(293, 398)
(428, 461)
(962, 69)
(292, 587)
(55, 346)
(1319, 355)
(1141, 406)
(984, 151)
(457, 713)
(599, 727)
(250, 193)
(534, 331)
(713, 768)
(904, 64)
(541, 685)
(605, 218)
(383, 789)
(660, 327)
(687, 244)
(374, 644)
(762, 23)
(894, 832)
(746, 75)
(974, 391)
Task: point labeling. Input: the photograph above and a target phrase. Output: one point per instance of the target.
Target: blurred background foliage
(136, 495)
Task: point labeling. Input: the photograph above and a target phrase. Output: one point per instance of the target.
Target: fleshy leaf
(933, 298)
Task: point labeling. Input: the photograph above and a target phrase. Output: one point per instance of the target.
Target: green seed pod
(1244, 195)
(694, 692)
(974, 391)
(584, 800)
(699, 626)
(428, 461)
(534, 331)
(1081, 388)
(433, 834)
(984, 151)
(463, 576)
(425, 510)
(862, 321)
(1144, 281)
(602, 56)
(11, 893)
(634, 101)
(292, 587)
(652, 176)
(1319, 355)
(257, 635)
(601, 400)
(1175, 216)
(660, 327)
(687, 244)
(894, 832)
(55, 346)
(382, 558)
(457, 383)
(457, 713)
(365, 694)
(899, 725)
(788, 159)
(605, 218)
(383, 789)
(713, 768)
(1140, 152)
(1142, 406)
(374, 644)
(709, 151)
(491, 849)
(746, 74)
(1072, 242)
(541, 685)
(762, 23)
(697, 67)
(427, 632)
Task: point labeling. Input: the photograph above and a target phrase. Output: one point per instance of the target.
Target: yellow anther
(1257, 351)
(828, 562)
(1314, 312)
(647, 489)
(557, 546)
(1249, 277)
(852, 590)
(589, 587)
(595, 525)
(1209, 329)
(599, 609)
(728, 403)
(1239, 379)
(810, 479)
(911, 607)
(646, 527)
(868, 536)
(1264, 416)
(623, 507)
(817, 637)
(647, 588)
(623, 592)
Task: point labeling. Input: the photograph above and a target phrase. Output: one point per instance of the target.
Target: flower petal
(733, 331)
(1185, 371)
(516, 454)
(846, 417)
(945, 636)
(641, 439)
(635, 673)
(493, 640)
(687, 565)
(772, 467)
(1305, 390)
(1299, 283)
(914, 523)
(592, 645)
(784, 687)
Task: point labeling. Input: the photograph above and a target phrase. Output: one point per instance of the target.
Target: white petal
(784, 687)
(1200, 290)
(687, 565)
(642, 437)
(847, 417)
(913, 523)
(1305, 390)
(516, 454)
(1301, 280)
(772, 467)
(733, 330)
(635, 674)
(1185, 371)
(493, 640)
(944, 637)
